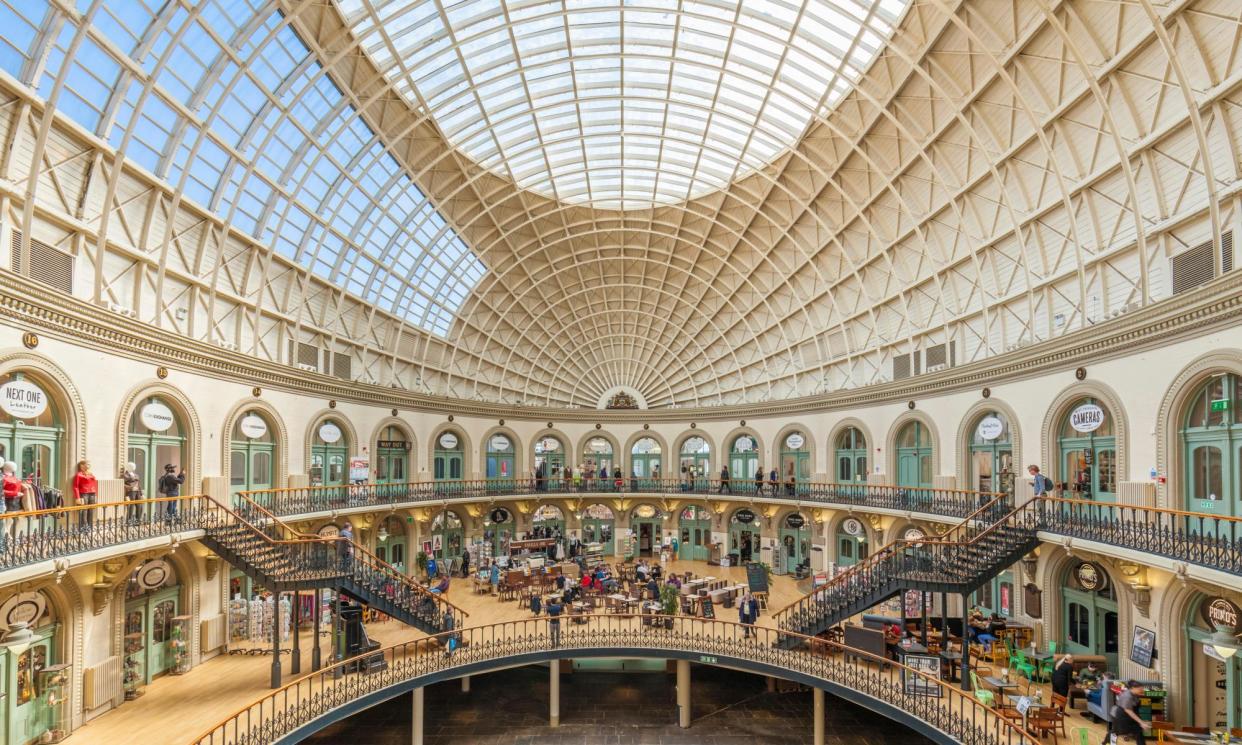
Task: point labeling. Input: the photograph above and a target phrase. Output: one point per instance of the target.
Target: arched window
(645, 463)
(498, 529)
(646, 522)
(153, 644)
(598, 526)
(392, 456)
(156, 438)
(1212, 448)
(696, 459)
(550, 455)
(795, 460)
(32, 427)
(390, 542)
(252, 450)
(597, 457)
(548, 521)
(795, 543)
(851, 455)
(914, 455)
(1089, 600)
(447, 460)
(501, 459)
(851, 539)
(991, 454)
(743, 457)
(1088, 448)
(29, 667)
(329, 454)
(745, 525)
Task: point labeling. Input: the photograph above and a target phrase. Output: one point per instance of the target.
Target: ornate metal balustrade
(908, 695)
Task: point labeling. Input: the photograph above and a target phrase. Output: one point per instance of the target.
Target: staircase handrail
(282, 711)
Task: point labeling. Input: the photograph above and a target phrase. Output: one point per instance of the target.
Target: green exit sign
(707, 659)
(1221, 405)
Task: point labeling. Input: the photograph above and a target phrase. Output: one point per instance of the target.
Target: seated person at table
(657, 571)
(561, 581)
(442, 586)
(892, 634)
(1093, 695)
(586, 582)
(641, 570)
(981, 629)
(653, 589)
(675, 581)
(1089, 675)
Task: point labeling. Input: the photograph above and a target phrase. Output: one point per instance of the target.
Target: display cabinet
(53, 687)
(179, 643)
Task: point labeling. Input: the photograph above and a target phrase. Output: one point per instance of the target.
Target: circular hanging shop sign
(500, 443)
(599, 445)
(744, 516)
(1090, 578)
(1220, 612)
(253, 426)
(795, 521)
(24, 607)
(914, 534)
(693, 445)
(743, 445)
(795, 441)
(329, 432)
(154, 574)
(156, 417)
(1086, 418)
(329, 531)
(22, 399)
(499, 515)
(990, 428)
(448, 441)
(852, 526)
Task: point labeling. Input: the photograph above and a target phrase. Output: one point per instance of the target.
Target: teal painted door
(392, 466)
(24, 713)
(914, 467)
(328, 465)
(744, 541)
(795, 544)
(250, 466)
(599, 530)
(447, 465)
(148, 632)
(1091, 625)
(392, 550)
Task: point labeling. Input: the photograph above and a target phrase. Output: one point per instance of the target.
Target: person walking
(724, 481)
(1063, 676)
(554, 621)
(170, 486)
(1126, 719)
(494, 577)
(1043, 485)
(448, 623)
(748, 613)
(759, 481)
(774, 478)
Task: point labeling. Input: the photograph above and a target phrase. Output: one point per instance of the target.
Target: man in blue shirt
(1043, 484)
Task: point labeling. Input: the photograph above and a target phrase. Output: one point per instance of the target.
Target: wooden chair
(1060, 703)
(1047, 719)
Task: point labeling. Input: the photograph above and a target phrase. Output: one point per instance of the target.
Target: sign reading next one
(22, 399)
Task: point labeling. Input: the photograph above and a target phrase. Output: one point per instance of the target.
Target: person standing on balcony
(748, 613)
(170, 486)
(133, 491)
(554, 621)
(85, 486)
(774, 478)
(345, 546)
(1043, 485)
(724, 480)
(12, 488)
(759, 481)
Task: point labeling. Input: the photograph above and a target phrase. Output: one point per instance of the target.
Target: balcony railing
(293, 711)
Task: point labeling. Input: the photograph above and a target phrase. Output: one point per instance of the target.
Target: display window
(1087, 467)
(990, 445)
(32, 428)
(915, 454)
(252, 453)
(850, 454)
(329, 460)
(152, 605)
(32, 673)
(598, 526)
(156, 438)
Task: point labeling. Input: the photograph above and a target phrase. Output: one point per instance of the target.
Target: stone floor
(605, 708)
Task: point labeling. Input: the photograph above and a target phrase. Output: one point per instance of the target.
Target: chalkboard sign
(917, 684)
(757, 577)
(709, 610)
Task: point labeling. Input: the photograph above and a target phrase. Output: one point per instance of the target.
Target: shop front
(548, 521)
(695, 527)
(550, 460)
(744, 528)
(795, 542)
(1215, 678)
(991, 454)
(392, 456)
(914, 455)
(851, 542)
(501, 462)
(645, 464)
(329, 454)
(391, 544)
(155, 634)
(32, 428)
(33, 672)
(795, 462)
(447, 535)
(743, 460)
(252, 453)
(1089, 603)
(850, 455)
(498, 530)
(1212, 448)
(598, 526)
(597, 458)
(646, 527)
(156, 438)
(448, 460)
(696, 458)
(1088, 452)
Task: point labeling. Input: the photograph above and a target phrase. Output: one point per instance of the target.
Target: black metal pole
(338, 653)
(965, 643)
(295, 662)
(275, 640)
(316, 659)
(923, 608)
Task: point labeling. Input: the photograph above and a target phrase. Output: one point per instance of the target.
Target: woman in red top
(12, 488)
(84, 488)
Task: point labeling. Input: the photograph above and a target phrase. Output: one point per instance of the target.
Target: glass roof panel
(737, 80)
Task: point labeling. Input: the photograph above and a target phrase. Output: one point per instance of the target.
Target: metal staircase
(960, 561)
(279, 558)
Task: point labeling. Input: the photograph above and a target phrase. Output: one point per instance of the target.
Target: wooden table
(1192, 738)
(954, 662)
(999, 684)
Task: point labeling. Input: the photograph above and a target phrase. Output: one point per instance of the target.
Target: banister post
(965, 642)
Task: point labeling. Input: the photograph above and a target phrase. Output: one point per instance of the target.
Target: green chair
(1045, 667)
(987, 698)
(1020, 663)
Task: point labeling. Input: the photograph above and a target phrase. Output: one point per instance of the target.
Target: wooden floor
(178, 708)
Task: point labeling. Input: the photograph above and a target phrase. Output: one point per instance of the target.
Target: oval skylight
(623, 103)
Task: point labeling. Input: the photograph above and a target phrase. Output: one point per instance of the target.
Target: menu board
(918, 684)
(757, 577)
(709, 610)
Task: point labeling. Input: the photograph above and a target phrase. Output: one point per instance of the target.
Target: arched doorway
(34, 674)
(696, 534)
(1089, 611)
(914, 455)
(156, 634)
(447, 535)
(550, 457)
(1212, 448)
(447, 460)
(32, 427)
(743, 459)
(645, 527)
(745, 526)
(598, 526)
(1088, 451)
(795, 462)
(392, 456)
(991, 454)
(391, 543)
(548, 522)
(645, 464)
(156, 438)
(851, 542)
(696, 459)
(501, 460)
(329, 454)
(1215, 682)
(498, 530)
(597, 457)
(252, 452)
(851, 455)
(795, 542)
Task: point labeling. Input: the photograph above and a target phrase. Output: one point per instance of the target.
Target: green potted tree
(670, 603)
(421, 562)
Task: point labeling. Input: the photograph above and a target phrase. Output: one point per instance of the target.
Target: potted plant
(421, 562)
(670, 603)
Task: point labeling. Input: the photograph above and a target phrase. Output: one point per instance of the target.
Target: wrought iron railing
(293, 709)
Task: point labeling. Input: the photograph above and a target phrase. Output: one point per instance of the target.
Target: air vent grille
(343, 366)
(48, 264)
(1197, 266)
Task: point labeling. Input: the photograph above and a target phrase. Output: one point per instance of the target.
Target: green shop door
(392, 465)
(1091, 625)
(148, 632)
(795, 541)
(24, 712)
(250, 466)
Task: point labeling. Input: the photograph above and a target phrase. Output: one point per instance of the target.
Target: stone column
(683, 693)
(554, 693)
(465, 684)
(416, 734)
(819, 715)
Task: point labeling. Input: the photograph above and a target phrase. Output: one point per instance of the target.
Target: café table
(999, 684)
(953, 661)
(1194, 738)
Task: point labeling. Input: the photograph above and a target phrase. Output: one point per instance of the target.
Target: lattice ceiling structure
(701, 203)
